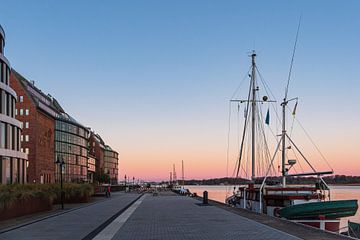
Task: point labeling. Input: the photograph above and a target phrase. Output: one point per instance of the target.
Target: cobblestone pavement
(176, 217)
(75, 224)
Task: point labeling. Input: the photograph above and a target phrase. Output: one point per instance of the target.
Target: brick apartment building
(49, 134)
(107, 159)
(37, 112)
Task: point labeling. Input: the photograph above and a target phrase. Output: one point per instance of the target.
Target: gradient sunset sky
(154, 78)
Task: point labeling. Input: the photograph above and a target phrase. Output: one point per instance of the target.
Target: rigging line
(292, 59)
(241, 83)
(244, 130)
(265, 84)
(311, 140)
(307, 134)
(263, 137)
(228, 142)
(272, 95)
(297, 159)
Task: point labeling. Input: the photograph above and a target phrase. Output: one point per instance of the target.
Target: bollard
(205, 197)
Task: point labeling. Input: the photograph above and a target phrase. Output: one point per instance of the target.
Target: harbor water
(219, 193)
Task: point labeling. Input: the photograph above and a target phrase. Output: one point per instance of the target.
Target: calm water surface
(219, 193)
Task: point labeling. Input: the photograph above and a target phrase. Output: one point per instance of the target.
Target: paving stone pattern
(175, 217)
(72, 225)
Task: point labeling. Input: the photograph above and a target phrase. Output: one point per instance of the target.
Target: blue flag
(267, 119)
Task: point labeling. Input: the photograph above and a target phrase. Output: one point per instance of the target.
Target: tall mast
(253, 116)
(174, 175)
(283, 138)
(182, 172)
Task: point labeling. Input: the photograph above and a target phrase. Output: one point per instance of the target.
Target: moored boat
(311, 205)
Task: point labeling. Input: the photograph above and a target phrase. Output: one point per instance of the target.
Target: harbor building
(111, 159)
(107, 160)
(49, 134)
(37, 113)
(71, 146)
(13, 161)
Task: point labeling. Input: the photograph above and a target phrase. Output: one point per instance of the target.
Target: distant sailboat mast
(182, 172)
(253, 116)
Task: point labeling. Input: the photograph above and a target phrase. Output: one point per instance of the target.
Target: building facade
(37, 112)
(71, 146)
(106, 159)
(111, 159)
(13, 161)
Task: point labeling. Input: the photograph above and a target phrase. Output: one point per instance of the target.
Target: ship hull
(315, 210)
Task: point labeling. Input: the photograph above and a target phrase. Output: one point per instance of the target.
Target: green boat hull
(314, 210)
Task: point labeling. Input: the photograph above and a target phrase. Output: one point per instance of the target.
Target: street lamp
(61, 163)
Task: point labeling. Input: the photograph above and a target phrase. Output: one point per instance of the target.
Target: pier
(160, 216)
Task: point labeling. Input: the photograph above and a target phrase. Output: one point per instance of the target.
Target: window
(21, 98)
(26, 112)
(26, 138)
(21, 137)
(21, 149)
(21, 124)
(21, 111)
(15, 111)
(26, 124)
(27, 150)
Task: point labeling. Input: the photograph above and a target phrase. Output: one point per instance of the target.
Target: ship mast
(283, 140)
(253, 115)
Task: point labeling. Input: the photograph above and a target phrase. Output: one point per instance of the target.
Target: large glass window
(15, 173)
(2, 135)
(4, 73)
(1, 70)
(3, 102)
(6, 170)
(9, 137)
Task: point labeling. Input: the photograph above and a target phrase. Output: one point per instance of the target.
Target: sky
(154, 78)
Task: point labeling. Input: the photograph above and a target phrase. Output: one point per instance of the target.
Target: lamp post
(125, 180)
(61, 163)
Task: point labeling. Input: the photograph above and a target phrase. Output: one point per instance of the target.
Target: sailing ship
(304, 204)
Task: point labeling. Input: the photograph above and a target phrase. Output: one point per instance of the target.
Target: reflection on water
(219, 193)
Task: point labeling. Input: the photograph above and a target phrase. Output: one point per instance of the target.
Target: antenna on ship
(283, 105)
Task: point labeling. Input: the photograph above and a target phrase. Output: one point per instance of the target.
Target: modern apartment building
(107, 160)
(13, 161)
(111, 161)
(71, 145)
(50, 134)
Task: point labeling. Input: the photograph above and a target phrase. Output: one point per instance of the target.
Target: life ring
(248, 204)
(277, 212)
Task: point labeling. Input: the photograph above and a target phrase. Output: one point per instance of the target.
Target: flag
(267, 119)
(294, 111)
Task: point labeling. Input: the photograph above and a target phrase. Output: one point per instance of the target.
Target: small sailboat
(304, 204)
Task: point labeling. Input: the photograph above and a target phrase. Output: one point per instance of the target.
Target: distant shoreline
(227, 185)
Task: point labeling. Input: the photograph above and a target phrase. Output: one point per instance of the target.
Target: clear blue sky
(156, 76)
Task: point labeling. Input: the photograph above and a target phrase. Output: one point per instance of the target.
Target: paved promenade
(74, 224)
(166, 216)
(177, 217)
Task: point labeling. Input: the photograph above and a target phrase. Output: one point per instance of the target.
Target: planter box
(74, 199)
(24, 207)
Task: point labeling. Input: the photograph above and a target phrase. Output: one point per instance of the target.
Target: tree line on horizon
(334, 179)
